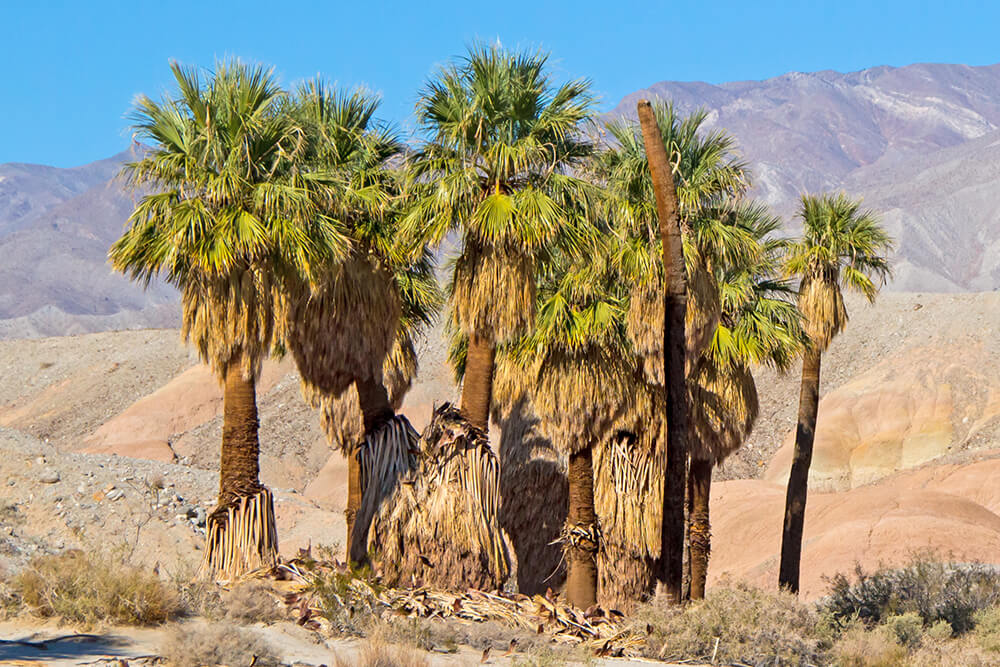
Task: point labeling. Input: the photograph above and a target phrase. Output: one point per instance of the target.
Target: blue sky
(71, 69)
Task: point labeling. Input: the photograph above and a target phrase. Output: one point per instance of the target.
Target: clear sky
(71, 69)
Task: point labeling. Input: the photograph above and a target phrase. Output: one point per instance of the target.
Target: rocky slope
(56, 226)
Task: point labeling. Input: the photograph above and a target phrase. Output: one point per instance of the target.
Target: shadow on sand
(65, 647)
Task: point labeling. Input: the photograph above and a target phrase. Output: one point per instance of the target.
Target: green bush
(988, 629)
(951, 592)
(908, 628)
(81, 588)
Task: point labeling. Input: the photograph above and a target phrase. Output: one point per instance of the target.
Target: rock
(200, 517)
(49, 477)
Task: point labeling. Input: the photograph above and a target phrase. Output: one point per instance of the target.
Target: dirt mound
(954, 341)
(910, 409)
(949, 509)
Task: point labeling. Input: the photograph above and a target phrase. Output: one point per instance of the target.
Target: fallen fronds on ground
(328, 596)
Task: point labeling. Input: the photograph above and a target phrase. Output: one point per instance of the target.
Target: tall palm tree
(842, 245)
(577, 368)
(758, 325)
(227, 215)
(501, 141)
(666, 251)
(355, 323)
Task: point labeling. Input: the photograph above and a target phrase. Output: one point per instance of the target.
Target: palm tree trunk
(798, 478)
(477, 387)
(241, 531)
(581, 524)
(671, 573)
(376, 410)
(699, 529)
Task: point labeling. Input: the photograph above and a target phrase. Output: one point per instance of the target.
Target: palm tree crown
(842, 246)
(501, 139)
(229, 213)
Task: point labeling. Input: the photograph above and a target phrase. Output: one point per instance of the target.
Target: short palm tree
(225, 216)
(577, 368)
(842, 245)
(666, 250)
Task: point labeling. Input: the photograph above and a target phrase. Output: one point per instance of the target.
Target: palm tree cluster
(614, 277)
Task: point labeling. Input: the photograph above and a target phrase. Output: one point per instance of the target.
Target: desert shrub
(376, 652)
(987, 631)
(863, 646)
(907, 629)
(963, 651)
(939, 631)
(348, 612)
(189, 645)
(937, 591)
(252, 602)
(752, 627)
(91, 589)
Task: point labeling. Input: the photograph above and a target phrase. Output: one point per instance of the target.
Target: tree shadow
(535, 500)
(65, 647)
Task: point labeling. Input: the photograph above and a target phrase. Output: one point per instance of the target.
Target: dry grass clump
(91, 589)
(252, 602)
(215, 644)
(741, 624)
(377, 652)
(859, 646)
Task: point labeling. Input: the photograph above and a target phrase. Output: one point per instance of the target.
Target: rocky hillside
(918, 142)
(56, 226)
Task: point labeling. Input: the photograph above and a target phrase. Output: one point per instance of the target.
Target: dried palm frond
(644, 322)
(307, 594)
(388, 458)
(628, 497)
(242, 537)
(579, 396)
(823, 310)
(492, 292)
(444, 529)
(341, 418)
(229, 317)
(342, 329)
(724, 408)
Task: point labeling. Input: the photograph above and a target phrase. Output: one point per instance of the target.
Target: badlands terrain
(908, 442)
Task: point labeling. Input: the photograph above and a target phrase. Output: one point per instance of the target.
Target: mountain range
(920, 144)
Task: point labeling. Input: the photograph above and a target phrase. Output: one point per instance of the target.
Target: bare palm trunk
(798, 478)
(241, 530)
(477, 387)
(376, 410)
(581, 527)
(699, 528)
(671, 573)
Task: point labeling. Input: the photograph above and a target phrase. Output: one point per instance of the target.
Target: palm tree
(841, 246)
(355, 323)
(502, 140)
(707, 175)
(577, 368)
(758, 325)
(227, 214)
(501, 143)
